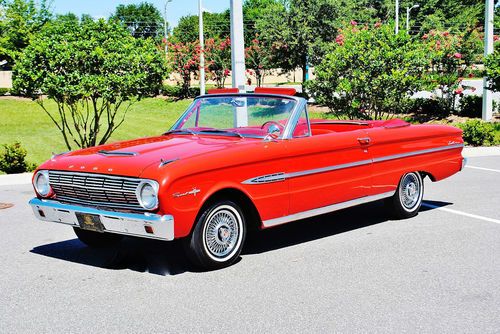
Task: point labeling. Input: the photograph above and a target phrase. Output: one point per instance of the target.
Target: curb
(468, 152)
(15, 179)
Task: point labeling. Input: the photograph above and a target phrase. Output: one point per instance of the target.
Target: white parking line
(461, 213)
(482, 168)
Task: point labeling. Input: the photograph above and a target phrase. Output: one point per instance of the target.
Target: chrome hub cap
(221, 233)
(409, 191)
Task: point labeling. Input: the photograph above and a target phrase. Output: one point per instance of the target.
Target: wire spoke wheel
(221, 233)
(218, 236)
(409, 191)
(407, 199)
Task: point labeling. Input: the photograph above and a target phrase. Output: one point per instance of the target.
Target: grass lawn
(24, 120)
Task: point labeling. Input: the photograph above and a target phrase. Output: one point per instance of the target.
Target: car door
(327, 169)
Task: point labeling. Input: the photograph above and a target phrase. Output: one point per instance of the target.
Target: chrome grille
(95, 189)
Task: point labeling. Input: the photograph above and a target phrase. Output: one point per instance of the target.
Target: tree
(20, 20)
(492, 69)
(253, 11)
(218, 57)
(90, 70)
(369, 72)
(451, 58)
(258, 61)
(292, 28)
(142, 20)
(184, 58)
(215, 25)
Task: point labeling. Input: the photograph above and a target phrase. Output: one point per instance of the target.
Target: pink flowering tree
(451, 58)
(258, 61)
(184, 58)
(369, 72)
(218, 60)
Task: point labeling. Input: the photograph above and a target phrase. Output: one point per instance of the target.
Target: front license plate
(90, 222)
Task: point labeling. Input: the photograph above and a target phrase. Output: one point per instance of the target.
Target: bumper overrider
(144, 225)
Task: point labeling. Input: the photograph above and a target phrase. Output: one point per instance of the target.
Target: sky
(103, 8)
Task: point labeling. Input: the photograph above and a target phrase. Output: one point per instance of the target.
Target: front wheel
(218, 237)
(407, 200)
(96, 239)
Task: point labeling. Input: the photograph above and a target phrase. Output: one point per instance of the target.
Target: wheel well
(424, 174)
(252, 216)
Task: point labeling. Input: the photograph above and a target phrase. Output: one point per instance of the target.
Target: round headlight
(147, 195)
(41, 183)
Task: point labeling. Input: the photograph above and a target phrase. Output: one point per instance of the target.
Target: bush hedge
(13, 159)
(478, 133)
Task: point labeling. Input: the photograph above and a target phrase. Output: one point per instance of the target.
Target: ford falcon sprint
(235, 161)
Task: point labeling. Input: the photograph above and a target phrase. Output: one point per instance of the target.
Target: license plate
(90, 222)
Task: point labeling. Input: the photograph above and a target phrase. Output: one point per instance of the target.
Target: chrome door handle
(364, 140)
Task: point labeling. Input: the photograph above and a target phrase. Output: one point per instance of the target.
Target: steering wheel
(279, 125)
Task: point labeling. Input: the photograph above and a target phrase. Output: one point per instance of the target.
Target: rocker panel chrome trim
(325, 209)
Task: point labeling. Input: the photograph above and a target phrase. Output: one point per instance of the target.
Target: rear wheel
(96, 239)
(407, 200)
(218, 237)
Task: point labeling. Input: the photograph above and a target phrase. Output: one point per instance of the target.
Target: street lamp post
(408, 10)
(202, 47)
(487, 112)
(165, 29)
(396, 23)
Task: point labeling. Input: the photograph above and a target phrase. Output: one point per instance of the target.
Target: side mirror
(273, 132)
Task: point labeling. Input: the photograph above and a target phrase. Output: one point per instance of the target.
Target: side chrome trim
(118, 153)
(325, 209)
(411, 154)
(328, 168)
(276, 177)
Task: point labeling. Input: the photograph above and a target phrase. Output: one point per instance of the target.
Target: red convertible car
(237, 161)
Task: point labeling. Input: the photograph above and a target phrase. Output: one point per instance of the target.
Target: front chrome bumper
(144, 225)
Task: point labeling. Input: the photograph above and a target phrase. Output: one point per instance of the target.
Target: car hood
(131, 158)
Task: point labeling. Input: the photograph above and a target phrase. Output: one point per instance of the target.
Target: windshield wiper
(180, 132)
(225, 132)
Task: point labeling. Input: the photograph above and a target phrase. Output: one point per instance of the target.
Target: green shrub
(478, 133)
(471, 105)
(176, 91)
(492, 67)
(13, 159)
(4, 91)
(171, 90)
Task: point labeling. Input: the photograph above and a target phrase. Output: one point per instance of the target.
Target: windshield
(244, 116)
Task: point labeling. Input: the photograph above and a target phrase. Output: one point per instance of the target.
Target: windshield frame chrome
(291, 123)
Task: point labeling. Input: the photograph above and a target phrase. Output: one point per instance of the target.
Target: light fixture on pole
(396, 23)
(408, 10)
(202, 47)
(165, 29)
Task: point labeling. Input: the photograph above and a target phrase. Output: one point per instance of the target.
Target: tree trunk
(304, 69)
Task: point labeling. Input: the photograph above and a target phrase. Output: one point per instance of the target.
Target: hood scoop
(118, 153)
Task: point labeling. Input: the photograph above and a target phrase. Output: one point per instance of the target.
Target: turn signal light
(149, 229)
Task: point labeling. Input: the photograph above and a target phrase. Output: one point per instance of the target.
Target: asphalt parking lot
(349, 271)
